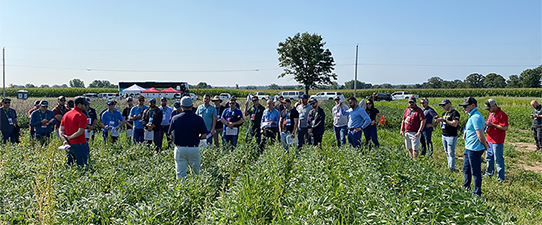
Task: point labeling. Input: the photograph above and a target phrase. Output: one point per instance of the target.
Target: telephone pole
(4, 70)
(356, 72)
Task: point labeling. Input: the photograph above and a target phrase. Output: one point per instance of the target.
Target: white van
(292, 95)
(109, 95)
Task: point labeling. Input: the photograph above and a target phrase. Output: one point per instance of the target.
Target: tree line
(74, 83)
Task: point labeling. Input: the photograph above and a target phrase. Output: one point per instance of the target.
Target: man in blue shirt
(302, 131)
(136, 115)
(187, 130)
(166, 119)
(427, 132)
(42, 120)
(209, 115)
(8, 122)
(269, 124)
(475, 145)
(358, 120)
(112, 120)
(232, 118)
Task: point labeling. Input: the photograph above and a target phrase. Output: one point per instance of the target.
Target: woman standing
(370, 131)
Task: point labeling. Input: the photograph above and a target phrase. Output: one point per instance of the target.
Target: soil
(524, 147)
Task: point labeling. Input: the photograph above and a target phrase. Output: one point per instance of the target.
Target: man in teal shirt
(209, 115)
(475, 145)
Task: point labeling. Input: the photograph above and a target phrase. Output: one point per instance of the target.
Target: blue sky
(225, 43)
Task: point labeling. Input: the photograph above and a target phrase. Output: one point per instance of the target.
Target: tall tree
(530, 78)
(359, 85)
(274, 87)
(494, 80)
(475, 80)
(513, 82)
(304, 57)
(202, 85)
(77, 83)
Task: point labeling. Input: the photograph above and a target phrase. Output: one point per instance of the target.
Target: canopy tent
(171, 93)
(132, 90)
(151, 92)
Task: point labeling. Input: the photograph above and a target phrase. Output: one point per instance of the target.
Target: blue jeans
(138, 136)
(42, 137)
(303, 137)
(78, 153)
(427, 143)
(229, 141)
(354, 138)
(11, 136)
(253, 133)
(472, 167)
(449, 143)
(340, 135)
(105, 134)
(371, 134)
(496, 157)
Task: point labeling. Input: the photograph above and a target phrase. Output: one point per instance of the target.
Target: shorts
(411, 141)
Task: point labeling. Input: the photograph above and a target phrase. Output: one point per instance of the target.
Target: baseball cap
(152, 99)
(468, 101)
(37, 102)
(412, 99)
(216, 98)
(489, 103)
(313, 99)
(304, 96)
(444, 102)
(177, 105)
(186, 101)
(337, 97)
(255, 97)
(111, 102)
(163, 98)
(44, 103)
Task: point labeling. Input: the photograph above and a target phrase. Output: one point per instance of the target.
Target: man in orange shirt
(72, 132)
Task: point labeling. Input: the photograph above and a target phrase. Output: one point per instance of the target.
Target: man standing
(42, 121)
(315, 127)
(218, 126)
(289, 119)
(209, 115)
(59, 111)
(36, 107)
(166, 119)
(302, 131)
(429, 113)
(448, 124)
(232, 118)
(475, 144)
(136, 116)
(497, 125)
(8, 122)
(91, 118)
(412, 126)
(152, 117)
(537, 124)
(187, 130)
(112, 120)
(255, 112)
(126, 115)
(72, 132)
(340, 121)
(269, 124)
(358, 120)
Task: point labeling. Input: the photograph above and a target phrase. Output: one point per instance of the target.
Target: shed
(22, 94)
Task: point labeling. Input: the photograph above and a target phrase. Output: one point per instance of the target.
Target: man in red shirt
(412, 126)
(497, 125)
(72, 132)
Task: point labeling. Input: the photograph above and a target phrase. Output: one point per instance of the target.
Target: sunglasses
(62, 100)
(255, 100)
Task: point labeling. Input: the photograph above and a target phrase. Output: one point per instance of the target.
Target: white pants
(411, 141)
(185, 156)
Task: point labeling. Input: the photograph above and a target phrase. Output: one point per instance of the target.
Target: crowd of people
(293, 125)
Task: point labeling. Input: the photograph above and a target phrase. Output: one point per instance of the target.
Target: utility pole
(4, 70)
(356, 72)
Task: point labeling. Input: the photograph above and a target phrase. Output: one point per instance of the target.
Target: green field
(129, 184)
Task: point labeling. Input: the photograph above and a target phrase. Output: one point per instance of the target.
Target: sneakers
(488, 174)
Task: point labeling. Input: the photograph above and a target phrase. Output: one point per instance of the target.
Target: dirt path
(525, 148)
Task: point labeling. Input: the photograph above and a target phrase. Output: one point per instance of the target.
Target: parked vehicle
(398, 95)
(381, 97)
(193, 96)
(261, 95)
(292, 95)
(327, 95)
(109, 95)
(225, 96)
(90, 95)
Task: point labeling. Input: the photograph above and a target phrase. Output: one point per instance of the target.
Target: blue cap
(305, 96)
(44, 103)
(152, 99)
(177, 105)
(186, 101)
(444, 102)
(163, 98)
(111, 102)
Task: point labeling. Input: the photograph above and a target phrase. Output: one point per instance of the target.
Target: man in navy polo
(187, 129)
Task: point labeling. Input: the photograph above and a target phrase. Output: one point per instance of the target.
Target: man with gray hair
(187, 129)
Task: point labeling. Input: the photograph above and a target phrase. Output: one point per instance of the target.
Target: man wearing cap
(279, 107)
(232, 118)
(412, 126)
(187, 130)
(209, 115)
(475, 144)
(255, 112)
(59, 110)
(177, 109)
(91, 118)
(72, 132)
(536, 116)
(152, 117)
(427, 133)
(136, 116)
(218, 125)
(289, 118)
(126, 115)
(448, 124)
(42, 120)
(497, 125)
(358, 119)
(269, 124)
(8, 122)
(112, 120)
(166, 119)
(302, 131)
(316, 120)
(340, 121)
(36, 107)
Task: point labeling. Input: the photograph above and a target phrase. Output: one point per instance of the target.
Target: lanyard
(111, 116)
(492, 115)
(7, 116)
(41, 115)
